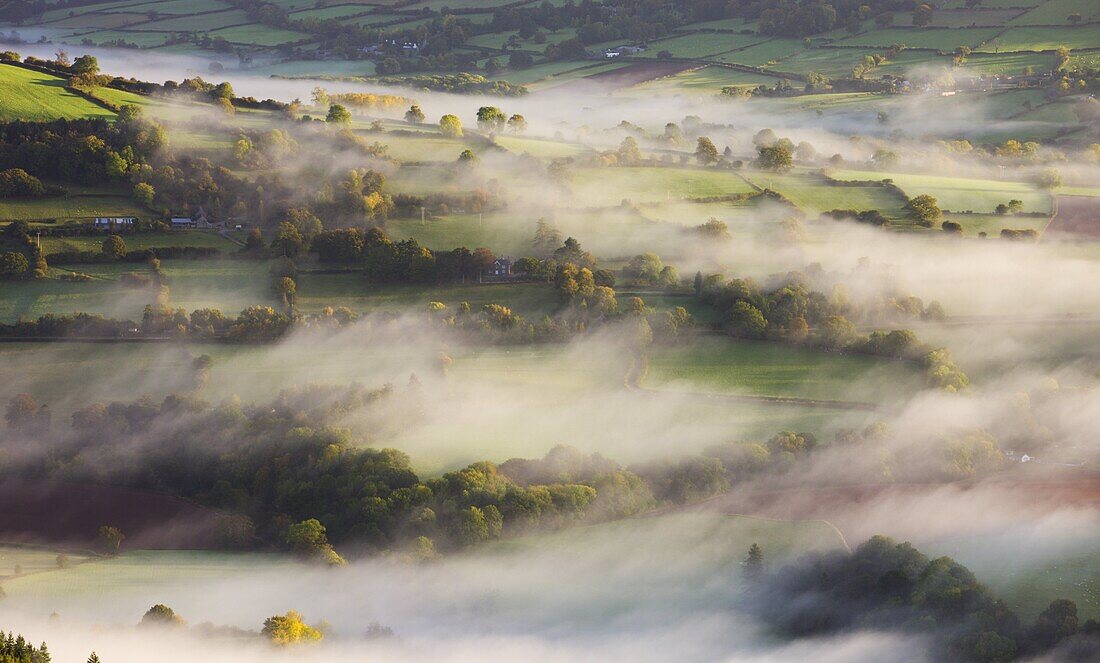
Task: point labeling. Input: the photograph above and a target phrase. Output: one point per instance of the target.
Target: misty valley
(410, 330)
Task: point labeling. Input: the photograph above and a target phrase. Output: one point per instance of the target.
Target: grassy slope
(30, 95)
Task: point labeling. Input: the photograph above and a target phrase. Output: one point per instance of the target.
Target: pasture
(599, 187)
(811, 193)
(31, 95)
(1044, 39)
(721, 365)
(31, 559)
(938, 39)
(139, 241)
(959, 194)
(69, 207)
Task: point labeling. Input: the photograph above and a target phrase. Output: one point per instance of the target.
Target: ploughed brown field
(70, 514)
(1077, 216)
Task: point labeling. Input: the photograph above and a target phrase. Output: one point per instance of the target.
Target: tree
(13, 263)
(747, 321)
(926, 210)
(414, 115)
(491, 119)
(110, 539)
(1050, 178)
(93, 658)
(754, 563)
(286, 289)
(468, 158)
(547, 237)
(517, 124)
(520, 60)
(776, 158)
(85, 64)
(22, 412)
(450, 126)
(113, 247)
(309, 538)
(705, 151)
(288, 240)
(922, 15)
(144, 194)
(290, 629)
(629, 154)
(161, 615)
(337, 114)
(1074, 18)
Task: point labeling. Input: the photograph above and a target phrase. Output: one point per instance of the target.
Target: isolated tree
(94, 658)
(110, 539)
(629, 154)
(776, 158)
(161, 615)
(754, 563)
(517, 124)
(290, 629)
(468, 158)
(922, 15)
(337, 114)
(450, 126)
(1049, 178)
(286, 289)
(414, 115)
(926, 209)
(491, 119)
(113, 247)
(705, 151)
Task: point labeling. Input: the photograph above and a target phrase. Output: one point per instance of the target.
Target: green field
(812, 194)
(702, 44)
(146, 571)
(763, 54)
(31, 95)
(708, 79)
(68, 207)
(609, 186)
(1055, 12)
(422, 148)
(746, 367)
(541, 148)
(138, 241)
(959, 194)
(1044, 39)
(941, 39)
(31, 559)
(992, 224)
(258, 35)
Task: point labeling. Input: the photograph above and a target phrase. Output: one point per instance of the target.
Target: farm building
(197, 220)
(500, 267)
(112, 222)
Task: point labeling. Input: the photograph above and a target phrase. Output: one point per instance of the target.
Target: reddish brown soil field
(71, 514)
(1077, 216)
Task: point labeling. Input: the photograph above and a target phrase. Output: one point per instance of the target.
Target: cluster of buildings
(623, 50)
